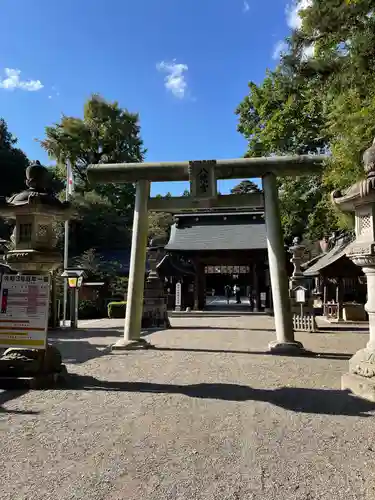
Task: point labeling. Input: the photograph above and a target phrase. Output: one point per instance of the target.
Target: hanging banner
(24, 311)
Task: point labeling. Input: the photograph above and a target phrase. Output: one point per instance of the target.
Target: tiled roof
(326, 259)
(218, 231)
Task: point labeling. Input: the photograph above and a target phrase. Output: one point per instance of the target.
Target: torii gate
(203, 176)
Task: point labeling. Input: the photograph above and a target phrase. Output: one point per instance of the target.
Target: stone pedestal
(155, 313)
(361, 376)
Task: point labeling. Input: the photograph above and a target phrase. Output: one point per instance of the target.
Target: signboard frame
(24, 311)
(300, 292)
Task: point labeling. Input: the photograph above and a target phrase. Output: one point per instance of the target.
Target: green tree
(245, 187)
(321, 97)
(106, 134)
(342, 67)
(13, 162)
(98, 224)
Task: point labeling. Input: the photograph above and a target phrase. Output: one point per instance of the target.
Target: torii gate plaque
(203, 177)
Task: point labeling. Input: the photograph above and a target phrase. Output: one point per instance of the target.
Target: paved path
(206, 415)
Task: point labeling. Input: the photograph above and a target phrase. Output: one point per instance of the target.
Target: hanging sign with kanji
(24, 311)
(203, 179)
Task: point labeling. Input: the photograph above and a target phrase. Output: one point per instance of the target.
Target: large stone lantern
(360, 199)
(35, 211)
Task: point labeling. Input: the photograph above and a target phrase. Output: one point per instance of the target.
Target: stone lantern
(360, 199)
(297, 251)
(35, 211)
(155, 313)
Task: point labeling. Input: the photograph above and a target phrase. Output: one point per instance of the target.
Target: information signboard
(24, 311)
(300, 295)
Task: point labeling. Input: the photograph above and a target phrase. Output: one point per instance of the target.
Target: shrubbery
(88, 309)
(116, 309)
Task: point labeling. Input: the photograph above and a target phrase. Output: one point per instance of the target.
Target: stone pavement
(206, 415)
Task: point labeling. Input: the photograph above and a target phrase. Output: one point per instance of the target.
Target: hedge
(116, 309)
(89, 309)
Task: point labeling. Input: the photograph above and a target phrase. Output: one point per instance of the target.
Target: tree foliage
(13, 162)
(320, 98)
(245, 187)
(106, 134)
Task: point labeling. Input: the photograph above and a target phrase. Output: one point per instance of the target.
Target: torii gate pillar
(285, 342)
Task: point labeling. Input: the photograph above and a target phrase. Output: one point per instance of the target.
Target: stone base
(359, 386)
(131, 345)
(287, 348)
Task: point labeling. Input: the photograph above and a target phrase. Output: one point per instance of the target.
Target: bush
(89, 309)
(116, 309)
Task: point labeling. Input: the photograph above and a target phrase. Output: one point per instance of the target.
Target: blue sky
(183, 65)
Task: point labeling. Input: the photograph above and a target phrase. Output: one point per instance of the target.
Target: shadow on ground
(320, 355)
(300, 400)
(9, 395)
(77, 351)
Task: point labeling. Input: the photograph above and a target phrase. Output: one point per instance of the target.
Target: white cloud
(246, 6)
(293, 13)
(13, 81)
(280, 48)
(175, 81)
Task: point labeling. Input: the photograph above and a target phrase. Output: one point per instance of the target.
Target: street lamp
(75, 280)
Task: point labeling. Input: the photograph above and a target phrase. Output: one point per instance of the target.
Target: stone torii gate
(203, 176)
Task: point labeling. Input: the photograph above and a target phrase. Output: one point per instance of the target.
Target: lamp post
(75, 280)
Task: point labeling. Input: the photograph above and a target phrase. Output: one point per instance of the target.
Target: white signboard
(24, 311)
(178, 297)
(300, 295)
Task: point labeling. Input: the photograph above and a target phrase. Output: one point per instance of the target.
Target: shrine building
(208, 250)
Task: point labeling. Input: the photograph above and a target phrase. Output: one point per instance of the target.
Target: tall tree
(321, 97)
(245, 187)
(13, 162)
(106, 134)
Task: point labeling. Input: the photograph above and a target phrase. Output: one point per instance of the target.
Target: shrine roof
(326, 259)
(236, 230)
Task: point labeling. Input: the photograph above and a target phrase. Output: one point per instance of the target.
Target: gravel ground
(206, 415)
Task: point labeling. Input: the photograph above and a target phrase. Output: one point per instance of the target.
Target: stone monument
(360, 199)
(35, 211)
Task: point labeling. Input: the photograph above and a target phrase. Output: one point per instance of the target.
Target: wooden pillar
(199, 287)
(339, 299)
(325, 309)
(256, 292)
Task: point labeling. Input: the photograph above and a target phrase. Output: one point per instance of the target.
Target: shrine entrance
(203, 176)
(225, 248)
(218, 277)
